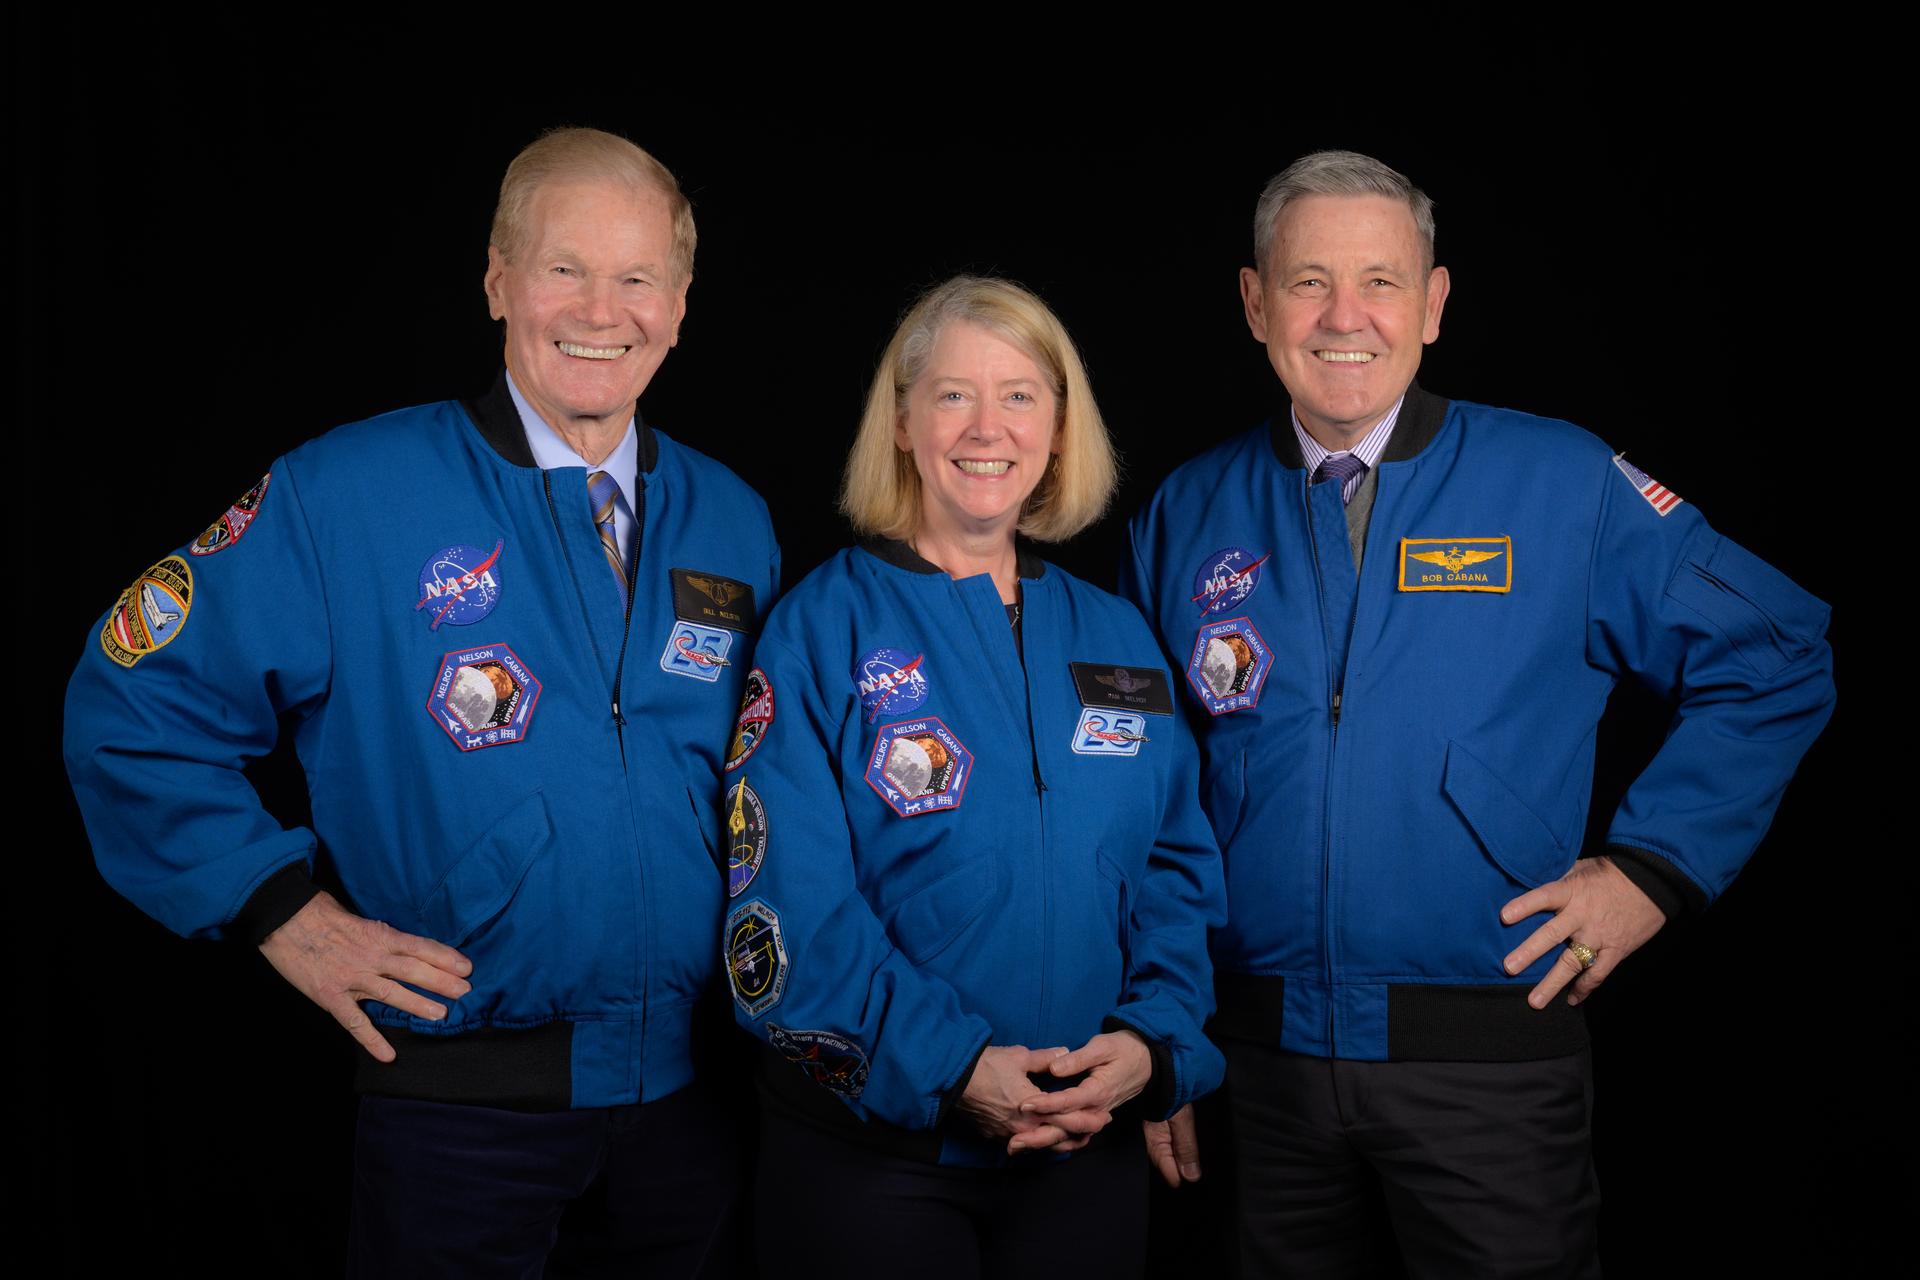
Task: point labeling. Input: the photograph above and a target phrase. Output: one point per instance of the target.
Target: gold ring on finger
(1581, 952)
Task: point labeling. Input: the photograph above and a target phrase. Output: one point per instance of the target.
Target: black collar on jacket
(1419, 422)
(499, 423)
(1027, 562)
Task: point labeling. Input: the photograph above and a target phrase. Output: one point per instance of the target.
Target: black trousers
(823, 1200)
(1483, 1169)
(441, 1189)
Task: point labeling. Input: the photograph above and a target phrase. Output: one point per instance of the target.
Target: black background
(226, 244)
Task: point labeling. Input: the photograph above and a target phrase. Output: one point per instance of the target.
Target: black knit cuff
(1157, 1098)
(277, 900)
(1659, 879)
(959, 1089)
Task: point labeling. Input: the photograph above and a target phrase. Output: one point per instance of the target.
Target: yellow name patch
(1456, 564)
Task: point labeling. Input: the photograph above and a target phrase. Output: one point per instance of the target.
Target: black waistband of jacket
(518, 1070)
(1491, 1023)
(787, 1090)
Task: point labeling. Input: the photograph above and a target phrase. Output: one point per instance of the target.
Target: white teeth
(1345, 357)
(973, 468)
(591, 353)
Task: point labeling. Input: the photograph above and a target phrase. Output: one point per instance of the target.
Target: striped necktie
(603, 492)
(1342, 467)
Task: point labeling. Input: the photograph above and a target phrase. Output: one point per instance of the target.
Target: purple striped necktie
(1342, 467)
(603, 491)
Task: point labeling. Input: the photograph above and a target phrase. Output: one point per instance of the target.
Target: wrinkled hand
(1117, 1066)
(1594, 904)
(1173, 1147)
(337, 959)
(998, 1088)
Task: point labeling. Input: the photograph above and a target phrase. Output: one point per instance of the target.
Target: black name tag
(712, 599)
(1101, 684)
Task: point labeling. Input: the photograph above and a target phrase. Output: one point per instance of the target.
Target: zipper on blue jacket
(593, 639)
(1326, 790)
(626, 622)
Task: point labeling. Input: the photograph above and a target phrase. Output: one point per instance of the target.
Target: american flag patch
(1658, 496)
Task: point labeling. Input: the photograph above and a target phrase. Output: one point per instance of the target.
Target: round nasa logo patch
(833, 1061)
(891, 682)
(229, 528)
(1228, 577)
(150, 613)
(746, 837)
(756, 717)
(459, 585)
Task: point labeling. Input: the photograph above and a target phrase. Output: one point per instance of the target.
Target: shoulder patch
(232, 524)
(1456, 564)
(1658, 496)
(756, 957)
(1226, 579)
(918, 766)
(150, 614)
(890, 682)
(1229, 665)
(833, 1061)
(1122, 688)
(459, 584)
(712, 600)
(756, 717)
(746, 837)
(483, 697)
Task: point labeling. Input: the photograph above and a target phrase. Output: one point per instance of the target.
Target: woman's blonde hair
(880, 492)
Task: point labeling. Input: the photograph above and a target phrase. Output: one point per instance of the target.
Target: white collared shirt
(551, 452)
(1368, 450)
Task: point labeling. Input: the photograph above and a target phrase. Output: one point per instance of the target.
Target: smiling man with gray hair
(510, 636)
(1401, 617)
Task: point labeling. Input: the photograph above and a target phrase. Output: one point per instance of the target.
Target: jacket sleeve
(1740, 650)
(155, 745)
(1169, 989)
(838, 978)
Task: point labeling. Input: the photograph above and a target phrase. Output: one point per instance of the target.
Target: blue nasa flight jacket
(499, 756)
(936, 845)
(1392, 755)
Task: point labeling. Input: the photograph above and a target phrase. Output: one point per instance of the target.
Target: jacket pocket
(480, 885)
(1768, 620)
(703, 823)
(1123, 895)
(928, 923)
(1226, 799)
(1519, 843)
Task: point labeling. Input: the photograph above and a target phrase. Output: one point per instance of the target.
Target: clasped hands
(1003, 1102)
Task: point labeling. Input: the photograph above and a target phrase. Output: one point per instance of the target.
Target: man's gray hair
(1337, 173)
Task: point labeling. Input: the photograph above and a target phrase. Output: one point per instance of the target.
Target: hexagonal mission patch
(918, 766)
(1229, 664)
(483, 697)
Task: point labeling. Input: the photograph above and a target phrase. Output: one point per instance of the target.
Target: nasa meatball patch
(756, 957)
(1226, 579)
(1229, 664)
(232, 525)
(830, 1059)
(891, 682)
(150, 613)
(459, 585)
(483, 697)
(918, 766)
(746, 837)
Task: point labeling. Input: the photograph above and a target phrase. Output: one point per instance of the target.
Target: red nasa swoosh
(687, 651)
(887, 684)
(473, 573)
(1208, 606)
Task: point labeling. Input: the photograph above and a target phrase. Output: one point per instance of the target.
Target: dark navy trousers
(442, 1189)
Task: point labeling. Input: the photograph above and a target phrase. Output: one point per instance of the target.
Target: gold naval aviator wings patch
(1456, 564)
